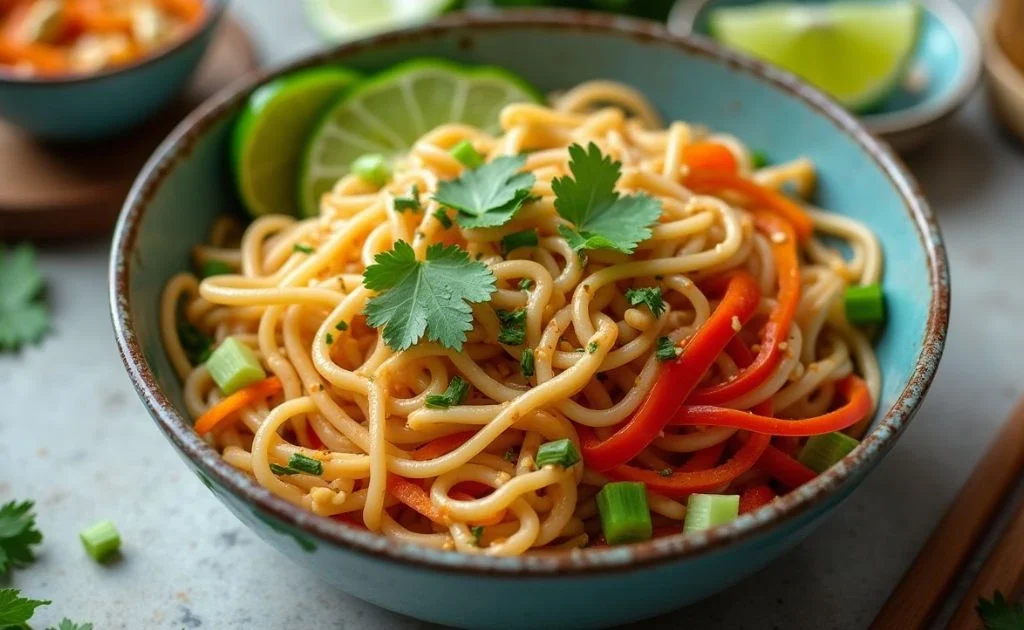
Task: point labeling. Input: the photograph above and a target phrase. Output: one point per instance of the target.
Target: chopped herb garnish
(329, 338)
(513, 327)
(304, 464)
(525, 284)
(24, 317)
(758, 159)
(18, 534)
(666, 350)
(526, 361)
(592, 347)
(488, 196)
(511, 455)
(429, 297)
(557, 453)
(602, 219)
(477, 532)
(196, 345)
(277, 469)
(442, 217)
(999, 614)
(215, 267)
(650, 296)
(452, 397)
(15, 610)
(67, 624)
(412, 202)
(302, 249)
(515, 240)
(665, 472)
(342, 326)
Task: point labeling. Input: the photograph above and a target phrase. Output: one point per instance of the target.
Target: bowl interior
(188, 183)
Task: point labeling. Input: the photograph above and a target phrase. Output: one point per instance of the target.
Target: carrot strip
(190, 11)
(754, 497)
(413, 496)
(710, 156)
(236, 402)
(708, 181)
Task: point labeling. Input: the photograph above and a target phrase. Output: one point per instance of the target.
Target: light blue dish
(943, 71)
(104, 104)
(187, 184)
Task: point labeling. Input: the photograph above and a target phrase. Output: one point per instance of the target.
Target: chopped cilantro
(412, 202)
(196, 345)
(67, 624)
(442, 218)
(432, 296)
(666, 349)
(592, 347)
(329, 338)
(525, 284)
(18, 534)
(510, 454)
(23, 314)
(526, 362)
(758, 159)
(453, 396)
(214, 267)
(515, 240)
(513, 327)
(15, 610)
(477, 532)
(342, 326)
(602, 219)
(302, 249)
(999, 614)
(488, 196)
(650, 296)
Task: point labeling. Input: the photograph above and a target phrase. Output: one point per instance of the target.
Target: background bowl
(188, 183)
(105, 103)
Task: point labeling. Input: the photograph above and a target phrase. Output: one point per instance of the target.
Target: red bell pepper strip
(676, 380)
(754, 497)
(783, 468)
(776, 331)
(704, 458)
(708, 181)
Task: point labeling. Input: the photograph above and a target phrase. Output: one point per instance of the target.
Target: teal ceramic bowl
(943, 70)
(106, 103)
(187, 184)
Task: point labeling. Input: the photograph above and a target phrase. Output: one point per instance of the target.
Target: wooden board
(67, 191)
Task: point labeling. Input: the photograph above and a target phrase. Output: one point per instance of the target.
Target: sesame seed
(736, 324)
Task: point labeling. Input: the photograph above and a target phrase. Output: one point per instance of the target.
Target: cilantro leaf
(665, 349)
(16, 610)
(430, 296)
(651, 296)
(477, 532)
(999, 614)
(23, 315)
(513, 327)
(67, 624)
(18, 534)
(487, 196)
(452, 397)
(526, 362)
(412, 202)
(602, 218)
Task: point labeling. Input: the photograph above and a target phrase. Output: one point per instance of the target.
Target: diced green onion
(865, 304)
(465, 153)
(704, 511)
(101, 540)
(278, 469)
(342, 326)
(215, 267)
(822, 451)
(526, 362)
(302, 249)
(624, 514)
(233, 365)
(758, 159)
(372, 168)
(308, 465)
(515, 240)
(512, 331)
(453, 396)
(558, 453)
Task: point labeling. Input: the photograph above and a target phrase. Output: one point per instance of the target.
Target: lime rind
(339, 20)
(388, 112)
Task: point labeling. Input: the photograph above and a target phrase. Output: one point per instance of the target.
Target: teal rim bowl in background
(106, 103)
(188, 183)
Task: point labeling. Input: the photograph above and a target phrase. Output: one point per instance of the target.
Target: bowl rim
(217, 8)
(798, 503)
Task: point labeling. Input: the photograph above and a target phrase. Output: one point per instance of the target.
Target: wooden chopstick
(927, 582)
(1003, 571)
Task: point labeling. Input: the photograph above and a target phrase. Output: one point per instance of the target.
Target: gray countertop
(74, 437)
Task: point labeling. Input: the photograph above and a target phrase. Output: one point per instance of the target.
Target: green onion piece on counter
(216, 268)
(515, 240)
(558, 453)
(865, 304)
(526, 362)
(465, 153)
(101, 540)
(233, 365)
(625, 517)
(822, 451)
(372, 168)
(304, 464)
(704, 511)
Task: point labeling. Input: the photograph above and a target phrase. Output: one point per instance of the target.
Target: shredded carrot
(441, 446)
(236, 402)
(414, 496)
(710, 156)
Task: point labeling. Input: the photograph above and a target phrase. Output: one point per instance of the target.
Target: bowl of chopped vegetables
(72, 70)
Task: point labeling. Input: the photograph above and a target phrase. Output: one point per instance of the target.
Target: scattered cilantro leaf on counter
(602, 218)
(651, 296)
(18, 534)
(488, 196)
(429, 297)
(999, 614)
(15, 610)
(24, 317)
(67, 624)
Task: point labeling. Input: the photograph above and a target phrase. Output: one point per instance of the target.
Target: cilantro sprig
(23, 314)
(18, 534)
(602, 218)
(430, 297)
(999, 614)
(488, 196)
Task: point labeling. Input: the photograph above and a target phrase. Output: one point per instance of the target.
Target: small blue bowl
(188, 183)
(942, 74)
(106, 103)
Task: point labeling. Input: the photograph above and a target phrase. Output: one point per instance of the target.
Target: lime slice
(387, 113)
(855, 51)
(338, 20)
(271, 133)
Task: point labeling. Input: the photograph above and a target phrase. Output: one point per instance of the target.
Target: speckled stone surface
(74, 437)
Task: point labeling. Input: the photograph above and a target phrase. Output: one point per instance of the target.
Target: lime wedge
(855, 51)
(271, 133)
(338, 20)
(387, 113)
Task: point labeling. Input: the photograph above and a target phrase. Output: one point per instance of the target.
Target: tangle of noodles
(351, 402)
